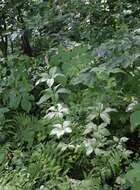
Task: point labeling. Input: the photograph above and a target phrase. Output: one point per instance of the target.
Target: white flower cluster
(120, 146)
(61, 128)
(86, 2)
(99, 111)
(57, 111)
(99, 138)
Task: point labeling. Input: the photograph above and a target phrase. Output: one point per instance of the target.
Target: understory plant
(69, 95)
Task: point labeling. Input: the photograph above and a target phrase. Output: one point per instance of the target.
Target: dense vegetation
(69, 95)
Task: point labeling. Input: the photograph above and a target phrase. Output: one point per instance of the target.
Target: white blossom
(61, 129)
(57, 111)
(89, 145)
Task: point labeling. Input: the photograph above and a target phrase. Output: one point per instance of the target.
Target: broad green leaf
(43, 78)
(14, 99)
(133, 175)
(44, 98)
(135, 119)
(63, 91)
(52, 71)
(136, 186)
(3, 111)
(105, 117)
(26, 104)
(60, 78)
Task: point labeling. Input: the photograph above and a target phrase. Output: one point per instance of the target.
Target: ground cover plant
(69, 95)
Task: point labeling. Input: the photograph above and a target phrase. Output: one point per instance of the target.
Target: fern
(26, 128)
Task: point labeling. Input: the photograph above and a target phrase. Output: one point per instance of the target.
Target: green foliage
(69, 95)
(135, 119)
(133, 176)
(72, 59)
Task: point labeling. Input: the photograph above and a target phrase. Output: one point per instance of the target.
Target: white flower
(131, 106)
(123, 139)
(57, 111)
(99, 152)
(105, 115)
(102, 130)
(64, 146)
(120, 180)
(99, 111)
(78, 15)
(89, 128)
(41, 187)
(119, 147)
(60, 129)
(49, 77)
(116, 139)
(127, 153)
(89, 145)
(87, 2)
(50, 82)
